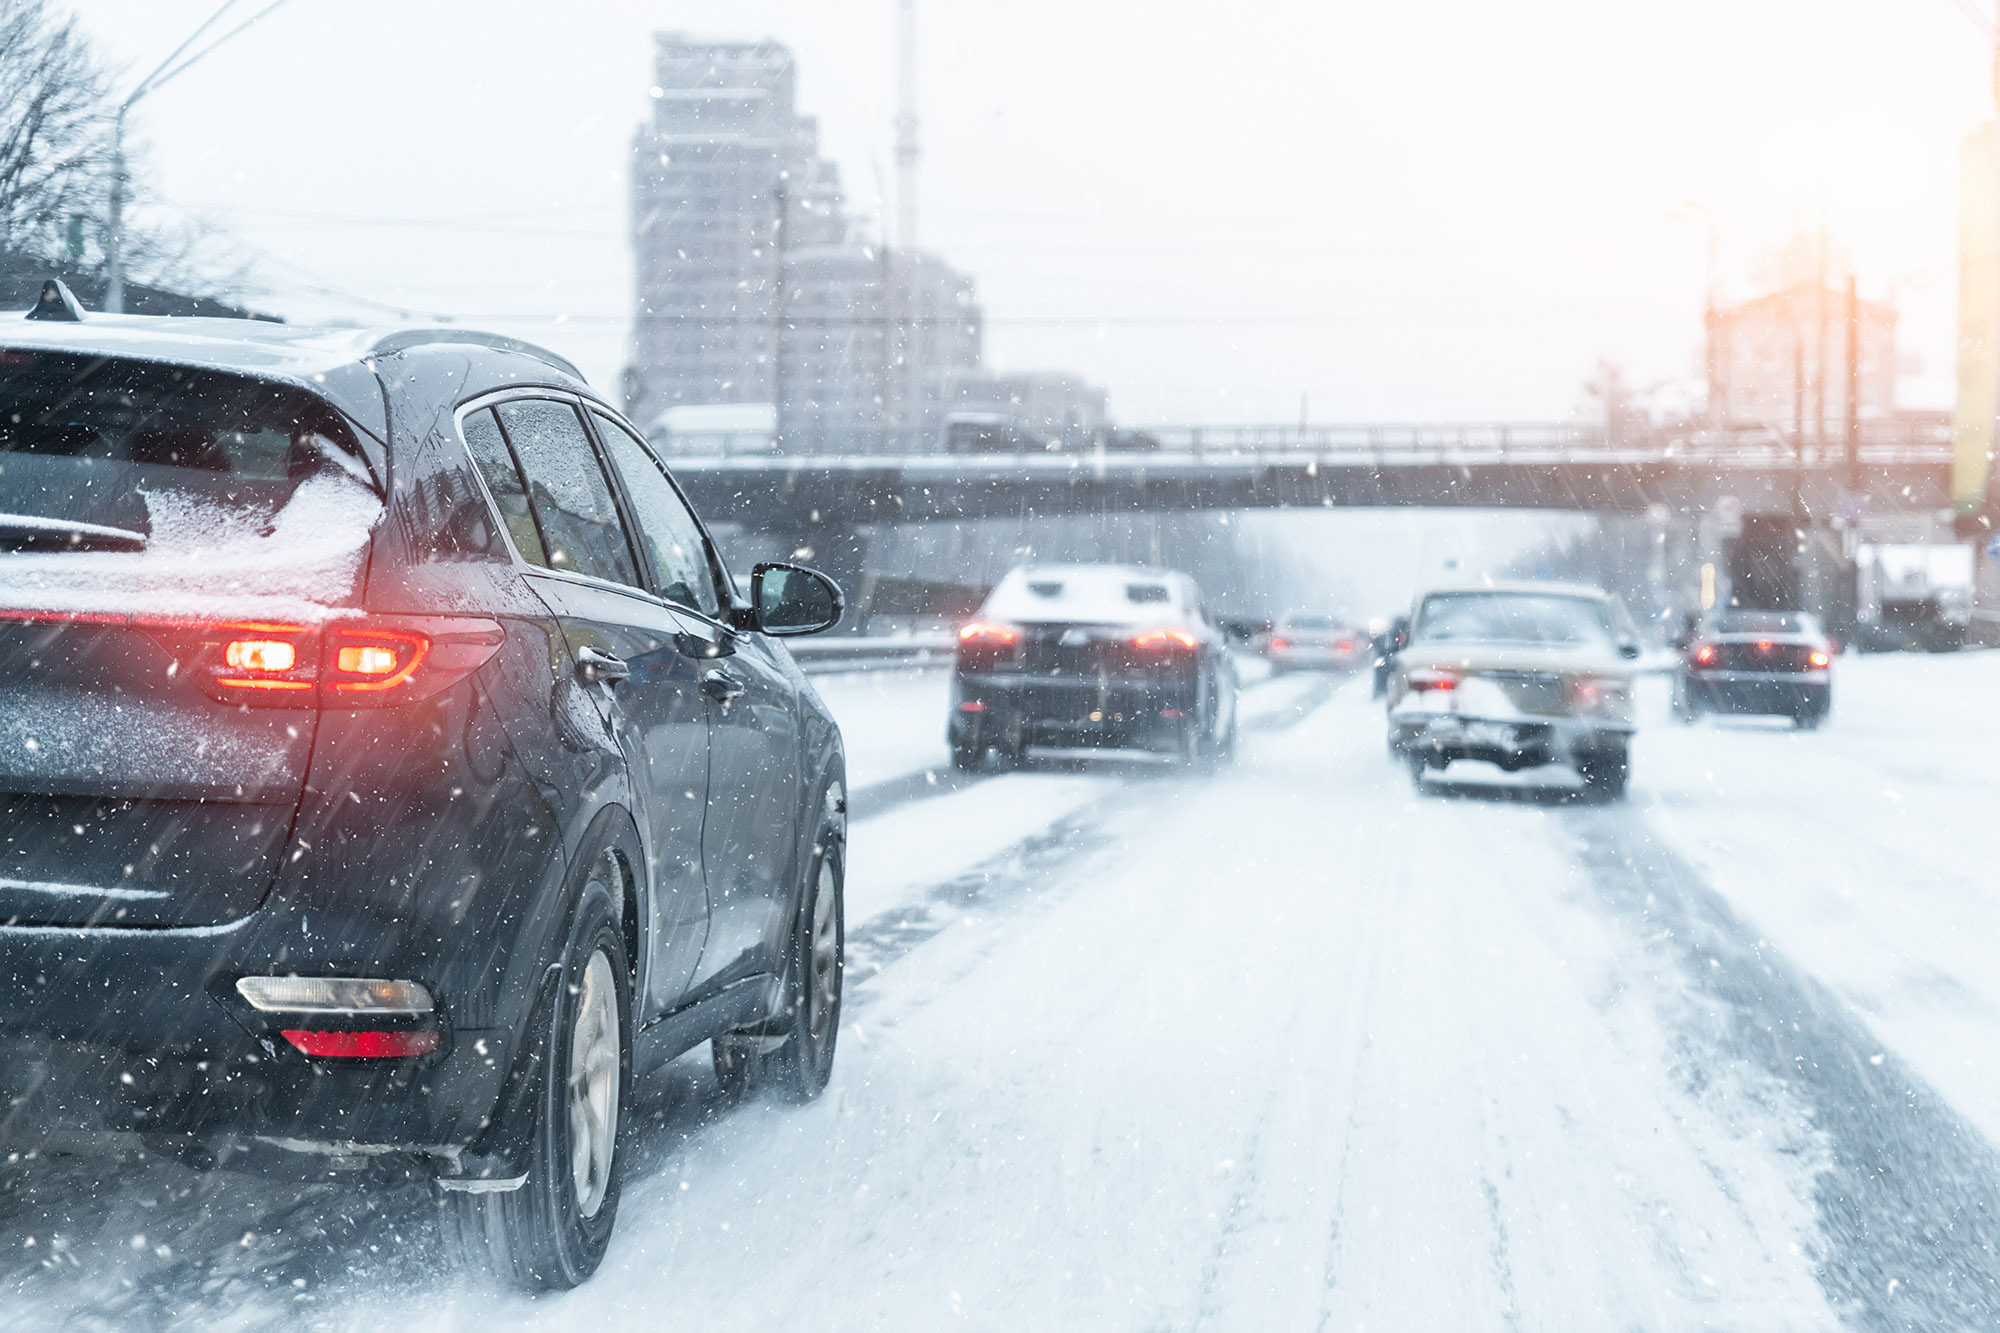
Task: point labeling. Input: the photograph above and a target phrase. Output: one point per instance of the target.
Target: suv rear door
(750, 835)
(151, 757)
(626, 648)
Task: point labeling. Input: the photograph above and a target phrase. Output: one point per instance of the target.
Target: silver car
(1518, 675)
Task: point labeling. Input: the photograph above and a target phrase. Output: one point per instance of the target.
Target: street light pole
(114, 239)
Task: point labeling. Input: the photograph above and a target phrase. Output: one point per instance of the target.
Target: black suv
(387, 766)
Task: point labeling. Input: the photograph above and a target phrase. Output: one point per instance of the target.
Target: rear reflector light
(1163, 638)
(1173, 713)
(972, 706)
(334, 995)
(1819, 659)
(364, 1045)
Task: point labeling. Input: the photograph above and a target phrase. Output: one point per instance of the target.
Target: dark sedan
(1092, 656)
(386, 769)
(1756, 662)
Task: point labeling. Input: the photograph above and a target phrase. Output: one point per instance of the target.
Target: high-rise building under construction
(752, 288)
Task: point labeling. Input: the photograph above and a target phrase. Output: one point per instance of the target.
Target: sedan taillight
(1424, 680)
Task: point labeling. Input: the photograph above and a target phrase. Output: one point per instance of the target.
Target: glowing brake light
(1819, 659)
(1422, 681)
(1161, 638)
(985, 632)
(1281, 644)
(369, 661)
(1763, 645)
(1705, 655)
(260, 654)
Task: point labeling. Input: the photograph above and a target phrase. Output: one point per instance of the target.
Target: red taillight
(1346, 645)
(363, 660)
(972, 706)
(1279, 645)
(1763, 645)
(1819, 660)
(260, 654)
(372, 662)
(1705, 655)
(1164, 638)
(988, 634)
(1422, 681)
(251, 662)
(364, 1045)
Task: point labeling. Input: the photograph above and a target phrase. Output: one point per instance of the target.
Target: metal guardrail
(823, 656)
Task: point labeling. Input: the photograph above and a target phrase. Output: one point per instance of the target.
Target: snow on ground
(1862, 850)
(1289, 1048)
(892, 721)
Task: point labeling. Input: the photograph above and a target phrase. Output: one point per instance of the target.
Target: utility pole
(779, 239)
(906, 125)
(114, 236)
(1852, 459)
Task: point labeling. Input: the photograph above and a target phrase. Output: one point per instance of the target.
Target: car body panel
(433, 840)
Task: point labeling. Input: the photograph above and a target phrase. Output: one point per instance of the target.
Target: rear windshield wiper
(25, 532)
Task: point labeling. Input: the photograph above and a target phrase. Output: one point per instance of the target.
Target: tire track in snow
(1909, 1206)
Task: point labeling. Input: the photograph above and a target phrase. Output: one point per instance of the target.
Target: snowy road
(1290, 1046)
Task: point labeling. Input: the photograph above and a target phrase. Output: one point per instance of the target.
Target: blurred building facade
(1780, 361)
(751, 284)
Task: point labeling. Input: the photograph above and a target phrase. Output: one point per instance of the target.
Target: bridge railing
(1886, 442)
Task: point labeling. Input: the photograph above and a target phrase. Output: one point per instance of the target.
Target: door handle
(594, 666)
(720, 686)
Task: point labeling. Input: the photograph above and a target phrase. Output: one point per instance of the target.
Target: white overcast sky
(1402, 209)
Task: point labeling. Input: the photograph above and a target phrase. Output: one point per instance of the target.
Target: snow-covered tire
(792, 1054)
(551, 1232)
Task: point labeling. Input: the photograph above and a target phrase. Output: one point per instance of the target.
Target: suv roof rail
(56, 302)
(407, 338)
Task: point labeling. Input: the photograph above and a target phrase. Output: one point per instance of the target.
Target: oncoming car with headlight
(1518, 675)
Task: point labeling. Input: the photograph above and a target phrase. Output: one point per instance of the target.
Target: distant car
(1769, 662)
(991, 432)
(1092, 656)
(1518, 675)
(1308, 640)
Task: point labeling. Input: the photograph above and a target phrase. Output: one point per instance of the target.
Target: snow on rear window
(1084, 593)
(212, 558)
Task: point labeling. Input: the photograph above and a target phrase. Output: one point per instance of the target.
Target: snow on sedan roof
(1098, 594)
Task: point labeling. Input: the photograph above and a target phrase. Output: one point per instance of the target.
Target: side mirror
(791, 600)
(1628, 650)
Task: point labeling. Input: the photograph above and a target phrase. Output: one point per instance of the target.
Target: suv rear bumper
(139, 1031)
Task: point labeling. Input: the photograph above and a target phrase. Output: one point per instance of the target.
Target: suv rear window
(101, 440)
